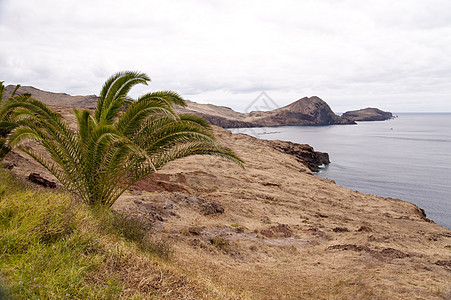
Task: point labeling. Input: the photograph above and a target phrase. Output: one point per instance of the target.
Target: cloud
(348, 52)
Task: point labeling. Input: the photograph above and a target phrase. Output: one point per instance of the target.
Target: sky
(394, 55)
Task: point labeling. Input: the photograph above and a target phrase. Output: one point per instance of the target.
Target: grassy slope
(52, 247)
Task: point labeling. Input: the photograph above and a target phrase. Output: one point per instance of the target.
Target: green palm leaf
(6, 123)
(112, 149)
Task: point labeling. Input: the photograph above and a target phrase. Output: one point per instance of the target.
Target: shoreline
(276, 230)
(361, 162)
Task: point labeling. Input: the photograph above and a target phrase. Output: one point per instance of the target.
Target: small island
(368, 114)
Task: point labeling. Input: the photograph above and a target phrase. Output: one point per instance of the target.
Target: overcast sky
(395, 55)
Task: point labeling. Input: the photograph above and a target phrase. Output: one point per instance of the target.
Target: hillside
(276, 231)
(56, 248)
(56, 99)
(305, 111)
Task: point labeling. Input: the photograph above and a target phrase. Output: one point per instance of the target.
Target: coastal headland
(305, 111)
(276, 231)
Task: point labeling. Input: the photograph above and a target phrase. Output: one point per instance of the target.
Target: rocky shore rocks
(302, 152)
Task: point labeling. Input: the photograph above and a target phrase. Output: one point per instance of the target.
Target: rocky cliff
(368, 114)
(303, 153)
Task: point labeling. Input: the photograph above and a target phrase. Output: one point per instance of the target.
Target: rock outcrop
(368, 114)
(302, 152)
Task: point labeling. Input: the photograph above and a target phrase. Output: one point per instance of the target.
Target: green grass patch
(52, 247)
(48, 244)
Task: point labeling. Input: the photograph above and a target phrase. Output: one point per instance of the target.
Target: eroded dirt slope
(276, 231)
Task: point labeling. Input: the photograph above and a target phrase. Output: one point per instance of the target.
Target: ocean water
(408, 157)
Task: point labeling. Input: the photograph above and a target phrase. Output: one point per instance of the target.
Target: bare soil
(276, 231)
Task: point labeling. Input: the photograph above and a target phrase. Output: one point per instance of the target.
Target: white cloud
(349, 52)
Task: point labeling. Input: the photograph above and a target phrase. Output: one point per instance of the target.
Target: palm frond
(54, 128)
(139, 111)
(86, 123)
(110, 150)
(169, 97)
(4, 148)
(114, 94)
(160, 158)
(6, 122)
(197, 120)
(15, 90)
(2, 91)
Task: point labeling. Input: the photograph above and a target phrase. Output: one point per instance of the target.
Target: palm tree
(114, 147)
(6, 124)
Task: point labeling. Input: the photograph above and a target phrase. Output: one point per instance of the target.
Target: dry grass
(392, 250)
(328, 242)
(53, 247)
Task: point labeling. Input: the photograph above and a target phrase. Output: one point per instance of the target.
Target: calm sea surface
(408, 157)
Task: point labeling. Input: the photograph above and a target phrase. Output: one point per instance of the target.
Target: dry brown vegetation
(276, 231)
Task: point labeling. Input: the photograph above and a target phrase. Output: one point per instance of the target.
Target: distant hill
(305, 111)
(368, 114)
(55, 99)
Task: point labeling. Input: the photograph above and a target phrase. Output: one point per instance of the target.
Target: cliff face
(304, 153)
(368, 114)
